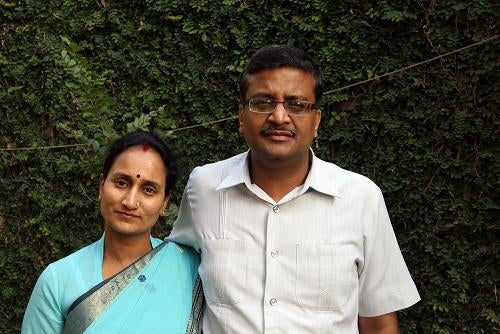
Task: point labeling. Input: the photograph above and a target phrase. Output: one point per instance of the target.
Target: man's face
(279, 136)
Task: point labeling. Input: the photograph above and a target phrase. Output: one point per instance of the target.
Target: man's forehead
(293, 81)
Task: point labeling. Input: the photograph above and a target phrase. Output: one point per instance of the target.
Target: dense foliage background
(82, 72)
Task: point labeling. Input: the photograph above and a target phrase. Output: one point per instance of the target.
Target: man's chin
(277, 154)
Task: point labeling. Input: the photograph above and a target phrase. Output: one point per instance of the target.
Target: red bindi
(138, 176)
(145, 147)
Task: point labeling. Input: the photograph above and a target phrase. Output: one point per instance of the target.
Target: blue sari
(157, 298)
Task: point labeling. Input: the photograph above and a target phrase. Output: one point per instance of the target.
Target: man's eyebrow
(267, 95)
(287, 98)
(295, 98)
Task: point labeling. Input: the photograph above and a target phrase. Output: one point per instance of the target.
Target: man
(290, 243)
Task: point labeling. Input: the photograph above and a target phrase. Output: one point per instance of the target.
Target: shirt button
(273, 301)
(276, 209)
(274, 253)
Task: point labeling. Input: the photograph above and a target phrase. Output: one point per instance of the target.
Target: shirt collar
(239, 173)
(321, 177)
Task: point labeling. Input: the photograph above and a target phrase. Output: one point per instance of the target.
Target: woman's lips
(127, 215)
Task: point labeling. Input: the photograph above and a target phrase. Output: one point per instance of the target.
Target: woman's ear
(164, 205)
(101, 185)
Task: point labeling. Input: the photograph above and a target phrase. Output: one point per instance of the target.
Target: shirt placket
(271, 295)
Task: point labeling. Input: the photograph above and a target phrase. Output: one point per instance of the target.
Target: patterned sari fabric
(159, 293)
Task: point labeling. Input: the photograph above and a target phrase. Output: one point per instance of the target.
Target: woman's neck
(120, 252)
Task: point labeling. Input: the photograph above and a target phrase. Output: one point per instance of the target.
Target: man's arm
(382, 324)
(183, 231)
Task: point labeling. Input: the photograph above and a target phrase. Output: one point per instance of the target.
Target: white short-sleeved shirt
(310, 263)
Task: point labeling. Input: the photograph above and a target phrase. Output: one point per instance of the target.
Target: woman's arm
(43, 313)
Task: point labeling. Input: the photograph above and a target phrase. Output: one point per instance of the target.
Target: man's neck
(279, 177)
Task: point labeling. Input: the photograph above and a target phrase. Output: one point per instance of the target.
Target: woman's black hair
(144, 138)
(274, 56)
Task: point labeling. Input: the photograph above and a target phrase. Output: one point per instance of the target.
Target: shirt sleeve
(184, 230)
(43, 313)
(385, 284)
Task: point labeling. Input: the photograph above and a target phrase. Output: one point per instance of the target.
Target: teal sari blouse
(158, 298)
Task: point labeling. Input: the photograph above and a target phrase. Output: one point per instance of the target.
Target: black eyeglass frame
(286, 104)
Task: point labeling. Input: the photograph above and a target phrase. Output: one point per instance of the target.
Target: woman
(128, 281)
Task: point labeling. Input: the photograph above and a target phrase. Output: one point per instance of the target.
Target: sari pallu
(156, 294)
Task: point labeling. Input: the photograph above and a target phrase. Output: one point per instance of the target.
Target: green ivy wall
(83, 72)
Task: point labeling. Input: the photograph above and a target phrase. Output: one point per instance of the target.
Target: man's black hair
(274, 56)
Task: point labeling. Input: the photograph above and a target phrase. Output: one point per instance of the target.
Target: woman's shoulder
(82, 260)
(80, 255)
(185, 255)
(64, 280)
(183, 251)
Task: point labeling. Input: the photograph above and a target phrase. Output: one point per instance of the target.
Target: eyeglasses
(264, 105)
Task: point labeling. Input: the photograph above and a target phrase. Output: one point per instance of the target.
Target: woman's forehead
(140, 162)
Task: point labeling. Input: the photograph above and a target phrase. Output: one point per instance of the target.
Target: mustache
(266, 131)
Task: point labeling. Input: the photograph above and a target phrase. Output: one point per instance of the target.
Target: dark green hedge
(81, 72)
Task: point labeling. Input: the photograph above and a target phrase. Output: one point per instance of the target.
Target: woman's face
(133, 193)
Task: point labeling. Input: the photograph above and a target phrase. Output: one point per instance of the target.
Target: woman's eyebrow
(152, 183)
(130, 178)
(121, 175)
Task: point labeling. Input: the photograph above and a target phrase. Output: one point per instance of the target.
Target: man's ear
(317, 120)
(241, 116)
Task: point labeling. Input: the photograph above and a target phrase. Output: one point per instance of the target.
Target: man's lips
(278, 132)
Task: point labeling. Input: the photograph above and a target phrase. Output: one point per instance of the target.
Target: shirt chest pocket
(326, 276)
(223, 270)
